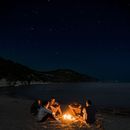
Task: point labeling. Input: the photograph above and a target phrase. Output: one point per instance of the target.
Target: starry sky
(91, 37)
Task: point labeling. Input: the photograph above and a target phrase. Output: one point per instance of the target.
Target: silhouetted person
(75, 109)
(90, 114)
(54, 107)
(44, 113)
(35, 106)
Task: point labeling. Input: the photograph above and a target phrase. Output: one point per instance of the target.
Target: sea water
(101, 94)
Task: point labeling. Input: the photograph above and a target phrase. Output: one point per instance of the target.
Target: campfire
(68, 117)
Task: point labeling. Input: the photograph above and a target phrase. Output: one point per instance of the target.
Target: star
(35, 12)
(50, 29)
(81, 12)
(28, 41)
(49, 0)
(25, 15)
(32, 28)
(57, 53)
(116, 49)
(62, 20)
(99, 22)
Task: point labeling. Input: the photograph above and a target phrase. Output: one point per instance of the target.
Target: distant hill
(14, 72)
(67, 75)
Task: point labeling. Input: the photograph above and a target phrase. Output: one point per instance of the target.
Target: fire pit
(68, 117)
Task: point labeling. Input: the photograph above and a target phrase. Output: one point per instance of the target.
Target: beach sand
(15, 115)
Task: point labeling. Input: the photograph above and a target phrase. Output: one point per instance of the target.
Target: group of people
(51, 109)
(86, 114)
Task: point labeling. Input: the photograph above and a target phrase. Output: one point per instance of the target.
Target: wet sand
(15, 115)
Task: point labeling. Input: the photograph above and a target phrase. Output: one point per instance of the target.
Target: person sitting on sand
(54, 107)
(35, 106)
(88, 114)
(44, 113)
(75, 109)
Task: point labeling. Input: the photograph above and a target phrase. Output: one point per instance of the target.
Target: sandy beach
(15, 115)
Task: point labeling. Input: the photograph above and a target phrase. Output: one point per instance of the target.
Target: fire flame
(68, 117)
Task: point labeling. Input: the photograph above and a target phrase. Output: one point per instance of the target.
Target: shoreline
(15, 115)
(6, 85)
(119, 111)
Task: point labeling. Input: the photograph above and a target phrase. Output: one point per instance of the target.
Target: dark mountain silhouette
(67, 75)
(13, 72)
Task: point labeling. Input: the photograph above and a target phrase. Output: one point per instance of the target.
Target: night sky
(92, 37)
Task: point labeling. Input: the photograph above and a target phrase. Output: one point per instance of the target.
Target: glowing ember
(68, 117)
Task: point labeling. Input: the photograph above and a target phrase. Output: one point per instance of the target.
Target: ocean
(101, 94)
